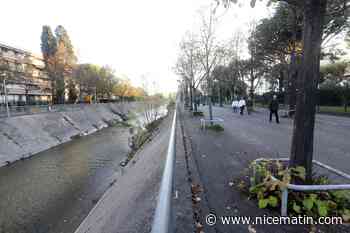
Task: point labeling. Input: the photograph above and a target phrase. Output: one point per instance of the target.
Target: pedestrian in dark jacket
(249, 105)
(274, 105)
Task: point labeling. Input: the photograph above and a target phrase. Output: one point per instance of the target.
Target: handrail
(163, 222)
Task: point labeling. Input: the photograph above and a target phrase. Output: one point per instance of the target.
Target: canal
(54, 190)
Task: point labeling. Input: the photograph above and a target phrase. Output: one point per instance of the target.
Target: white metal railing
(163, 221)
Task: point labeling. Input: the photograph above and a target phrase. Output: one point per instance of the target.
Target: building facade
(26, 81)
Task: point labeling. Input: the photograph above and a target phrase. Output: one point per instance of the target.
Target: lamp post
(5, 93)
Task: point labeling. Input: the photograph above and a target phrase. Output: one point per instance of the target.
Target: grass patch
(215, 127)
(334, 110)
(198, 113)
(337, 109)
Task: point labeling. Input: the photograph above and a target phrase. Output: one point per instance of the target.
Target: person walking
(249, 105)
(274, 105)
(242, 105)
(234, 105)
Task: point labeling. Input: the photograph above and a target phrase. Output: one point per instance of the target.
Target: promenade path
(220, 157)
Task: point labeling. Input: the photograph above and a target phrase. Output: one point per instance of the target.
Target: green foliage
(59, 59)
(334, 71)
(154, 124)
(72, 92)
(268, 191)
(296, 208)
(334, 86)
(48, 43)
(65, 47)
(215, 127)
(198, 113)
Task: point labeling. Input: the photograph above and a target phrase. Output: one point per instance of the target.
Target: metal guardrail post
(163, 219)
(284, 202)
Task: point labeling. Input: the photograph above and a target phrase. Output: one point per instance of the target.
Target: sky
(136, 38)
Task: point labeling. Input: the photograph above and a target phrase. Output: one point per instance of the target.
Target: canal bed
(54, 190)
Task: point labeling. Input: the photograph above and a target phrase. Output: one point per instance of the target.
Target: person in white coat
(235, 105)
(242, 105)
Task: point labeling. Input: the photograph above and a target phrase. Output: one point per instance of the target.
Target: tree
(86, 76)
(255, 64)
(59, 58)
(48, 49)
(123, 89)
(278, 39)
(72, 92)
(65, 48)
(304, 122)
(333, 78)
(314, 14)
(210, 53)
(219, 75)
(235, 70)
(189, 67)
(106, 82)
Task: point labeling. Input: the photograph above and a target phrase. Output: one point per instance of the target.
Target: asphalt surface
(332, 133)
(220, 158)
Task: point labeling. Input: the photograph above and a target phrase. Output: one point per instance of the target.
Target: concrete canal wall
(24, 136)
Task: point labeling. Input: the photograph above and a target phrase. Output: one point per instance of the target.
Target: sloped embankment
(24, 136)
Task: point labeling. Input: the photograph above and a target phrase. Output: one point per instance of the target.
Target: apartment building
(26, 81)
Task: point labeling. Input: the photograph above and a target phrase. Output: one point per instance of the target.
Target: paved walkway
(221, 157)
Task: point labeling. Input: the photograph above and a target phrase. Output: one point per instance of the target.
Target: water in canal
(54, 190)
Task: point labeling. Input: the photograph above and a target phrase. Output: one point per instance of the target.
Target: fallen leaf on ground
(251, 229)
(199, 225)
(196, 188)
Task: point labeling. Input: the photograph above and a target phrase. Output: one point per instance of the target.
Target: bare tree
(254, 66)
(189, 66)
(210, 52)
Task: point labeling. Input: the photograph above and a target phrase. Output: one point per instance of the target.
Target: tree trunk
(220, 97)
(191, 97)
(186, 94)
(210, 99)
(304, 122)
(195, 99)
(281, 81)
(293, 73)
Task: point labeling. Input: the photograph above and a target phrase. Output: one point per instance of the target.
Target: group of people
(240, 104)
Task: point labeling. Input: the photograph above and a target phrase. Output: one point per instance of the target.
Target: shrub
(198, 113)
(215, 127)
(316, 203)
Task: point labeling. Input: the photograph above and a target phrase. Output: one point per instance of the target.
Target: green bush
(198, 113)
(215, 127)
(316, 203)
